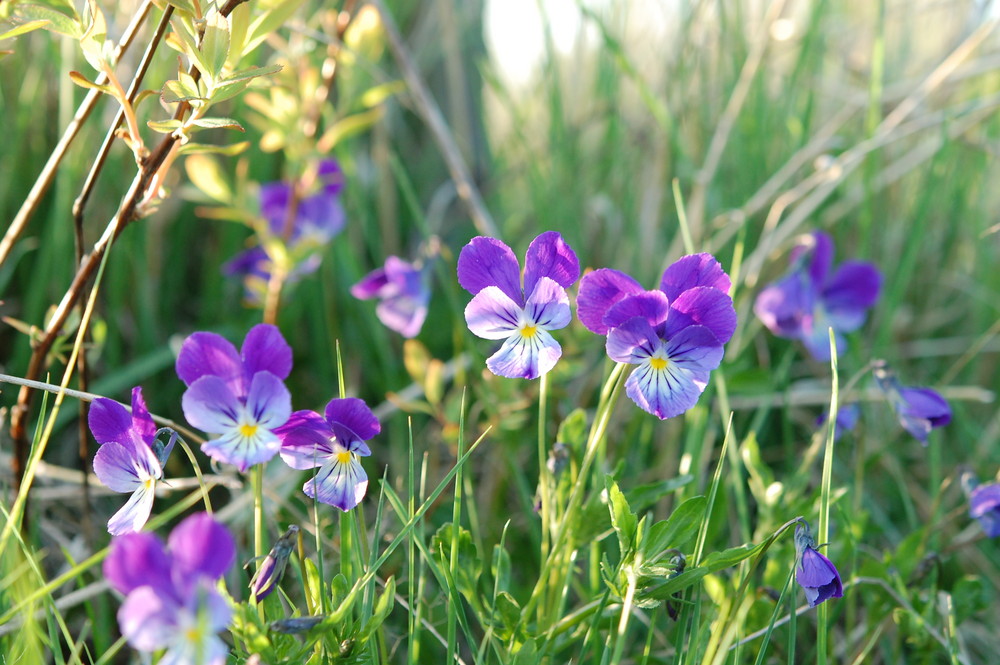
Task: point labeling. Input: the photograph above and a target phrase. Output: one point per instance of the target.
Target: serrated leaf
(164, 126)
(676, 530)
(208, 149)
(218, 123)
(623, 520)
(57, 21)
(84, 82)
(268, 22)
(215, 45)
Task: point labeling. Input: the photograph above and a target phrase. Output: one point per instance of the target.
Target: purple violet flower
(239, 397)
(847, 418)
(403, 291)
(500, 309)
(808, 300)
(267, 577)
(815, 574)
(984, 503)
(130, 459)
(318, 218)
(919, 410)
(171, 597)
(674, 334)
(336, 445)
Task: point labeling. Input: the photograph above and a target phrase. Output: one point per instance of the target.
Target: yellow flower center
(343, 457)
(248, 430)
(658, 363)
(149, 482)
(529, 331)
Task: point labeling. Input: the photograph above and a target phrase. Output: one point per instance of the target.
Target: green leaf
(375, 96)
(204, 173)
(622, 518)
(313, 584)
(382, 610)
(713, 562)
(186, 6)
(215, 45)
(208, 149)
(218, 123)
(349, 126)
(573, 430)
(25, 28)
(970, 596)
(500, 567)
(84, 82)
(506, 614)
(268, 22)
(57, 21)
(224, 91)
(92, 41)
(184, 39)
(468, 566)
(176, 90)
(644, 496)
(164, 126)
(239, 23)
(252, 72)
(675, 531)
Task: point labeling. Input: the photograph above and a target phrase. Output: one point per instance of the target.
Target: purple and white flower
(919, 410)
(130, 458)
(334, 443)
(674, 335)
(809, 300)
(171, 597)
(817, 576)
(501, 309)
(984, 503)
(403, 291)
(240, 398)
(318, 218)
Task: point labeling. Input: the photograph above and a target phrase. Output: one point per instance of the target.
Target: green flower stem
(543, 477)
(823, 615)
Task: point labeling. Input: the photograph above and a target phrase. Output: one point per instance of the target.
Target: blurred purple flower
(674, 334)
(847, 419)
(984, 503)
(272, 569)
(817, 576)
(130, 458)
(919, 410)
(403, 291)
(336, 445)
(500, 309)
(171, 597)
(808, 300)
(318, 218)
(240, 397)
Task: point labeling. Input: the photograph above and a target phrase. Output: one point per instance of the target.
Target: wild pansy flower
(674, 334)
(809, 299)
(240, 398)
(500, 309)
(919, 410)
(334, 443)
(130, 458)
(171, 594)
(847, 419)
(984, 503)
(318, 218)
(814, 573)
(267, 577)
(403, 291)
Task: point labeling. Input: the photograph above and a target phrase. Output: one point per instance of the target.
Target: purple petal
(652, 306)
(208, 354)
(269, 404)
(922, 410)
(851, 291)
(347, 439)
(549, 256)
(149, 619)
(319, 218)
(599, 291)
(370, 285)
(306, 447)
(131, 517)
(142, 421)
(331, 175)
(984, 505)
(210, 405)
(819, 248)
(694, 270)
(703, 306)
(665, 392)
(548, 305)
(782, 306)
(633, 341)
(403, 314)
(201, 547)
(488, 262)
(355, 415)
(815, 335)
(265, 350)
(135, 560)
(404, 297)
(250, 262)
(525, 357)
(491, 314)
(695, 348)
(818, 577)
(110, 421)
(340, 484)
(124, 468)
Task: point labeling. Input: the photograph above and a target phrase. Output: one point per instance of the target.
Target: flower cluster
(130, 458)
(240, 398)
(171, 594)
(674, 334)
(809, 300)
(313, 223)
(522, 317)
(817, 576)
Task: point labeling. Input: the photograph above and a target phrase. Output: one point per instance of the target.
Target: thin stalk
(822, 616)
(456, 518)
(543, 476)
